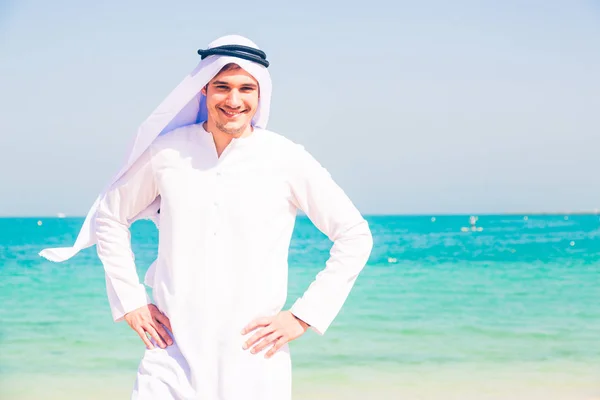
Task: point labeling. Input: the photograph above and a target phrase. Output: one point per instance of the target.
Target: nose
(234, 100)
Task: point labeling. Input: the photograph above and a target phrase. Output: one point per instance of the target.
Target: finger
(279, 344)
(163, 319)
(152, 332)
(257, 336)
(265, 342)
(144, 338)
(258, 322)
(160, 321)
(160, 329)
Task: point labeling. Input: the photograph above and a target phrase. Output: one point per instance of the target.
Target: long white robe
(225, 229)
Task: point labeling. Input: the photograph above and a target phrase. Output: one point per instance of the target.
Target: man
(228, 192)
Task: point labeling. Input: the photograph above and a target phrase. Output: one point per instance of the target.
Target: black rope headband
(236, 50)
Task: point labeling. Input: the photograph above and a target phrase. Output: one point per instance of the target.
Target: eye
(221, 87)
(247, 89)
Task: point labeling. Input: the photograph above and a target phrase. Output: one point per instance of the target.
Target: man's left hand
(276, 330)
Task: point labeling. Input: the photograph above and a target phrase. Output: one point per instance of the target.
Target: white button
(218, 173)
(216, 204)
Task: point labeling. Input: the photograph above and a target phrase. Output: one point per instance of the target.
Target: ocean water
(511, 312)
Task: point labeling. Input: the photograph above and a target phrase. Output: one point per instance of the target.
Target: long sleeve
(332, 212)
(123, 201)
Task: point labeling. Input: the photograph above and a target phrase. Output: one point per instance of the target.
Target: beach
(508, 312)
(530, 383)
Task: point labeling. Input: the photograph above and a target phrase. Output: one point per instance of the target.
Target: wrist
(304, 324)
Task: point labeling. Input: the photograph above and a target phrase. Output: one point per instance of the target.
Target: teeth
(232, 114)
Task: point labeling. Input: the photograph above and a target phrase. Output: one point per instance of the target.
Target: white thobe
(225, 229)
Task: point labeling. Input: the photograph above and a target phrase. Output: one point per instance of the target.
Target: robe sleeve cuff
(317, 323)
(125, 304)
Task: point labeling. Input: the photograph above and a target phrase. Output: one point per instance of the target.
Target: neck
(222, 139)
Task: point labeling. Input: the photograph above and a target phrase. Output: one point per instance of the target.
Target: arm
(332, 212)
(130, 195)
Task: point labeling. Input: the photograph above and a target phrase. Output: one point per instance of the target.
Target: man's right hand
(148, 320)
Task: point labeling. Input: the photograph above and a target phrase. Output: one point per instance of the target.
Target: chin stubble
(228, 131)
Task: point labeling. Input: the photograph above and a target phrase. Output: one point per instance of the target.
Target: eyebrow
(252, 85)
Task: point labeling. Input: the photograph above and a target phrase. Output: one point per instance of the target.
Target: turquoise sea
(511, 312)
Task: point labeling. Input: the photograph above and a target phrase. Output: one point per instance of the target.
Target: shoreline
(563, 381)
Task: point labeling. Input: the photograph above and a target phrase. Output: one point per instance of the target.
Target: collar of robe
(239, 51)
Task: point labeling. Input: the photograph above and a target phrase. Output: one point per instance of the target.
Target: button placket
(217, 193)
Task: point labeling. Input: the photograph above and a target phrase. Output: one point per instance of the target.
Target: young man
(228, 192)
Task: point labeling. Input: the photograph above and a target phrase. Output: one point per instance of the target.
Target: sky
(429, 107)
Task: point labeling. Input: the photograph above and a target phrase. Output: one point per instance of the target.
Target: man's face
(231, 100)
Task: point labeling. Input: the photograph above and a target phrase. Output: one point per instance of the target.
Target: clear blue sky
(414, 107)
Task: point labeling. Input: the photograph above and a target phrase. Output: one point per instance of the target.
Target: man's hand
(276, 330)
(148, 320)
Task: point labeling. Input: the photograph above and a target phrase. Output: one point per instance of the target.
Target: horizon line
(419, 214)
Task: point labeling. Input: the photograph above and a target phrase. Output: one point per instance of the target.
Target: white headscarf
(186, 105)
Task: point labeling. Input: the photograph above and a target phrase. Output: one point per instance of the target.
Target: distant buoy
(572, 243)
(464, 229)
(526, 218)
(392, 260)
(480, 229)
(432, 219)
(39, 223)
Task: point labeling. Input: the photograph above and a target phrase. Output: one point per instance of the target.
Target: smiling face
(232, 100)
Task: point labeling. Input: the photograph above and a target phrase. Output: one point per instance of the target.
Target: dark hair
(229, 67)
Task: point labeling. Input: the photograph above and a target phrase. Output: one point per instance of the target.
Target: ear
(203, 91)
